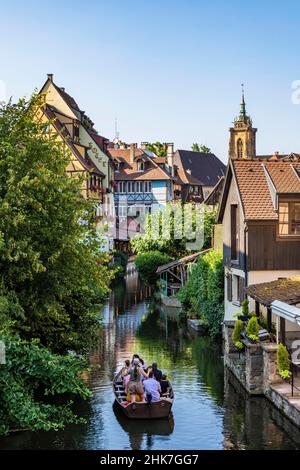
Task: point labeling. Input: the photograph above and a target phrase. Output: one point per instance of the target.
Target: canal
(210, 411)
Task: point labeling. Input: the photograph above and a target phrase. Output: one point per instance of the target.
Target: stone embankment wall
(256, 369)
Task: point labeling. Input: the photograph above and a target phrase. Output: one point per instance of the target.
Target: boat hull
(156, 410)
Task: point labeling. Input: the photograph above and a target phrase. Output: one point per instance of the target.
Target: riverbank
(210, 411)
(256, 370)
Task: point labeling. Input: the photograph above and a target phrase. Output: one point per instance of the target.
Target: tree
(158, 148)
(165, 229)
(205, 149)
(195, 147)
(52, 273)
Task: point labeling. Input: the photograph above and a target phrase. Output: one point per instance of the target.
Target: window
(139, 187)
(238, 285)
(147, 186)
(130, 187)
(234, 232)
(240, 148)
(289, 218)
(140, 165)
(122, 187)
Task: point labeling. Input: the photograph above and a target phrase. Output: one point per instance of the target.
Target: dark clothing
(164, 384)
(157, 374)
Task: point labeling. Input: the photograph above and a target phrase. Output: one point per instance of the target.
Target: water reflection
(206, 413)
(143, 429)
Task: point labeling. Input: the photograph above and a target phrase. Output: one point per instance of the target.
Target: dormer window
(289, 218)
(140, 165)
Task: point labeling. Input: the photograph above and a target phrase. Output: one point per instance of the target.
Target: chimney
(170, 157)
(132, 153)
(144, 145)
(50, 76)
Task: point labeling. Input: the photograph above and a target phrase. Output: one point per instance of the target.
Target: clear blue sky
(169, 70)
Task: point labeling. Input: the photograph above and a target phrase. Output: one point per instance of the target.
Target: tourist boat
(137, 410)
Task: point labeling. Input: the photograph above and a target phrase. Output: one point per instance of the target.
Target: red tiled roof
(129, 171)
(254, 189)
(284, 177)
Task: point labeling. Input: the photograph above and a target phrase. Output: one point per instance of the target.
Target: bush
(120, 263)
(252, 328)
(237, 331)
(203, 293)
(30, 376)
(283, 362)
(245, 307)
(164, 225)
(147, 264)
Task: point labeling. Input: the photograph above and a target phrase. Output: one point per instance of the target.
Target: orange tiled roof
(129, 171)
(254, 189)
(284, 177)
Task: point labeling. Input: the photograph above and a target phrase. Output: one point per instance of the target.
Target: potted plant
(237, 334)
(252, 329)
(284, 363)
(244, 316)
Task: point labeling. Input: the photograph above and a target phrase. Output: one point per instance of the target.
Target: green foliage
(52, 273)
(283, 361)
(237, 331)
(195, 147)
(245, 307)
(205, 149)
(203, 293)
(147, 264)
(31, 375)
(120, 263)
(158, 148)
(164, 230)
(252, 328)
(239, 345)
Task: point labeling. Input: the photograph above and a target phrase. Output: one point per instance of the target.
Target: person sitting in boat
(141, 361)
(156, 372)
(125, 374)
(164, 384)
(135, 386)
(152, 388)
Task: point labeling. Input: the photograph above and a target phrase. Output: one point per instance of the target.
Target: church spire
(242, 142)
(243, 105)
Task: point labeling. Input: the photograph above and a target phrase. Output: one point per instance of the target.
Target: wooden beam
(257, 308)
(282, 330)
(269, 319)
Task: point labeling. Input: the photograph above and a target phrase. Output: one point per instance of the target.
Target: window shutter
(229, 287)
(241, 289)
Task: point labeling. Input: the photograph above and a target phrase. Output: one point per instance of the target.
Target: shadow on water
(143, 428)
(210, 410)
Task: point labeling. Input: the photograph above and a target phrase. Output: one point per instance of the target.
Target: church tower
(242, 143)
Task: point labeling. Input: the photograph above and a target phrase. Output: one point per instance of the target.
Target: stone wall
(256, 369)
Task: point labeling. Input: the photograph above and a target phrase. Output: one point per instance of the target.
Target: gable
(54, 98)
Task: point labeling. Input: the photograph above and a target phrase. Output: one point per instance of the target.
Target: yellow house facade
(82, 140)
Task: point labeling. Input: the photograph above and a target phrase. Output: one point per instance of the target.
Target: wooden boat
(137, 410)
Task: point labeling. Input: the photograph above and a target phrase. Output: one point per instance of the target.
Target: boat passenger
(156, 372)
(152, 388)
(135, 386)
(125, 374)
(141, 361)
(125, 368)
(164, 384)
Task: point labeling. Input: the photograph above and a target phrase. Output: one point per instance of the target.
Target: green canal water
(210, 411)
